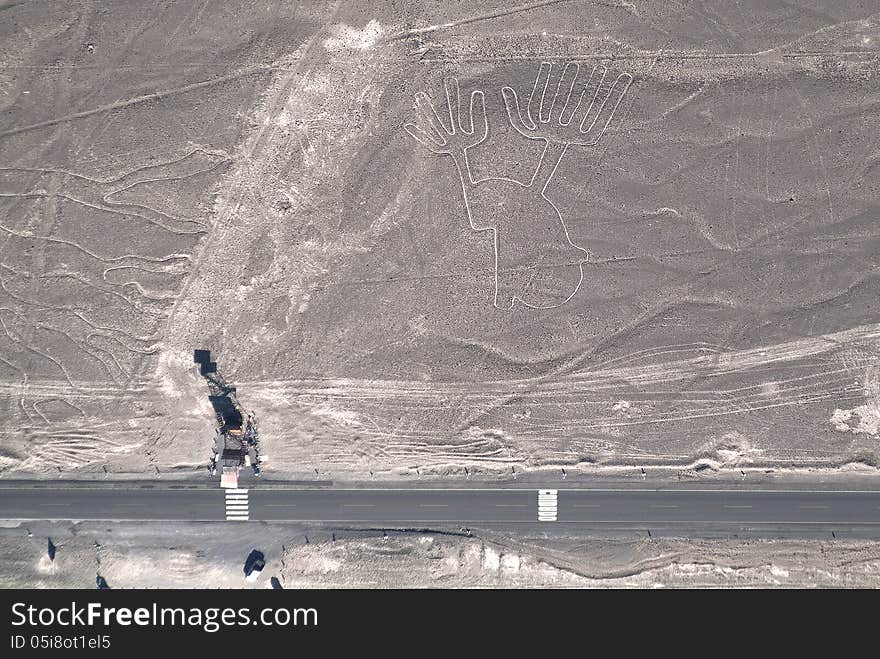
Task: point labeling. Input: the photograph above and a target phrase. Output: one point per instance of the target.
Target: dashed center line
(662, 505)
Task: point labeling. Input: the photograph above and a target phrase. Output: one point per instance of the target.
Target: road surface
(726, 509)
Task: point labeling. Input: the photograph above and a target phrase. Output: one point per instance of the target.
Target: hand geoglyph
(535, 262)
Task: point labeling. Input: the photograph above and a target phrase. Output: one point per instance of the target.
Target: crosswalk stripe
(547, 505)
(237, 505)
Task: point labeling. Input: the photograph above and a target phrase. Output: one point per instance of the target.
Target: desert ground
(196, 556)
(344, 203)
(241, 181)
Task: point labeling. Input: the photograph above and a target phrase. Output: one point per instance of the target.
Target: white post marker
(237, 505)
(547, 505)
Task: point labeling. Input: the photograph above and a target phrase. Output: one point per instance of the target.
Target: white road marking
(237, 505)
(547, 505)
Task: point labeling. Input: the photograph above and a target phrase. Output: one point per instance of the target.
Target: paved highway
(728, 509)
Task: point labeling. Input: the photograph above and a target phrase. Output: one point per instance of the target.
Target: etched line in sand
(536, 263)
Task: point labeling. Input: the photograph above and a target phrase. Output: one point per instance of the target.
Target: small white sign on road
(547, 505)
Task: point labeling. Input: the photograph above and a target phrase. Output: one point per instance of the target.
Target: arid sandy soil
(236, 177)
(196, 556)
(428, 560)
(240, 180)
(137, 555)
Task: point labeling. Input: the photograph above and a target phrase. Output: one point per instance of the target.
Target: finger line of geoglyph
(546, 112)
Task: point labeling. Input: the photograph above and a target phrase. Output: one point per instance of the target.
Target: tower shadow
(222, 394)
(237, 442)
